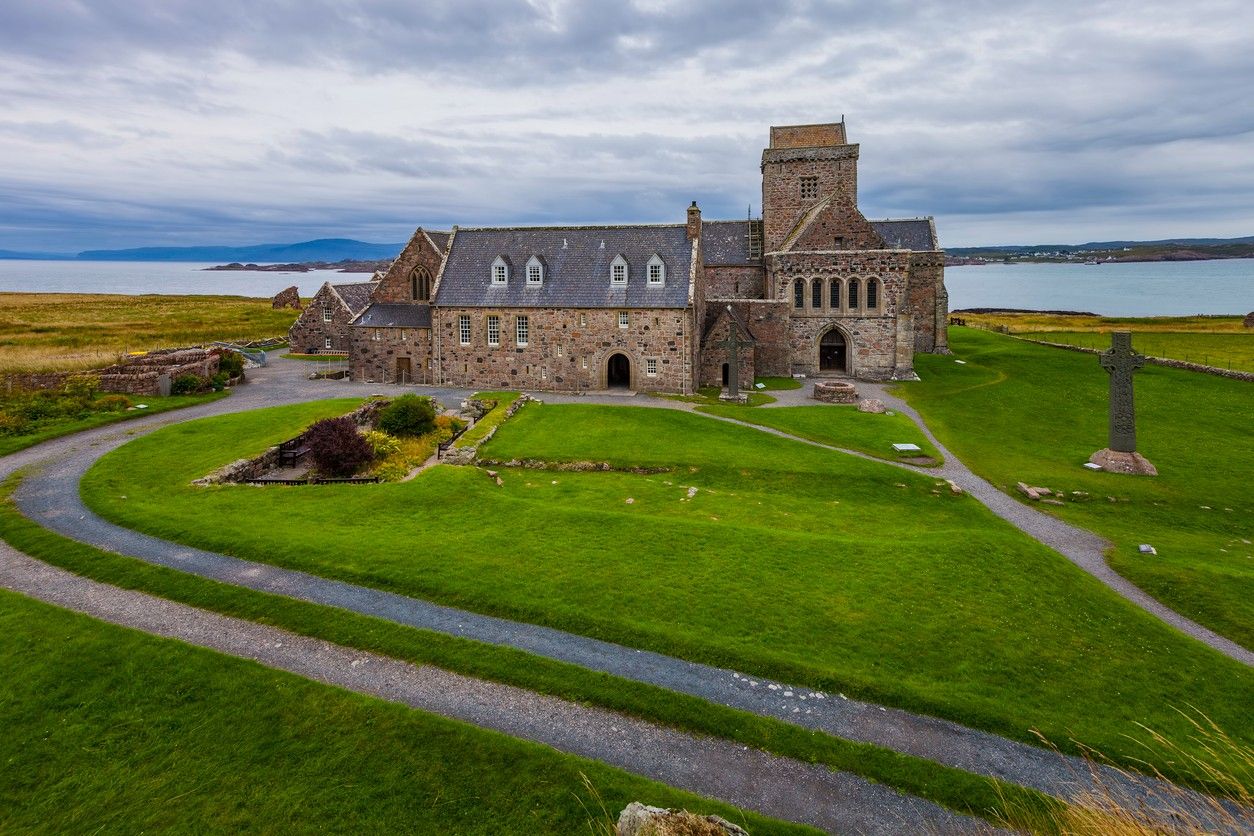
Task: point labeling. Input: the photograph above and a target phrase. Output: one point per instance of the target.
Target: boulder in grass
(873, 405)
(641, 820)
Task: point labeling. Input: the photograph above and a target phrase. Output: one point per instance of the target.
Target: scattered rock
(1052, 502)
(873, 405)
(1042, 491)
(1030, 493)
(954, 487)
(499, 482)
(692, 492)
(1146, 548)
(492, 474)
(630, 501)
(1117, 461)
(641, 820)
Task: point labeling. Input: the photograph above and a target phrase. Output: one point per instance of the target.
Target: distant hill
(25, 256)
(1171, 249)
(1094, 246)
(323, 249)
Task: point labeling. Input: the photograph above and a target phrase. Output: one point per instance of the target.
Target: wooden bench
(291, 452)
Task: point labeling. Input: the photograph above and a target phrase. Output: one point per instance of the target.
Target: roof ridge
(569, 226)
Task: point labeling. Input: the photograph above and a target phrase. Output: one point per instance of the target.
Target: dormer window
(657, 270)
(535, 271)
(500, 271)
(618, 270)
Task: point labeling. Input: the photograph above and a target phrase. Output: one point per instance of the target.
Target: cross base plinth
(728, 397)
(1118, 461)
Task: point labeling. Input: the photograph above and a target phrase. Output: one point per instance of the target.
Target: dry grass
(68, 331)
(1117, 802)
(1030, 322)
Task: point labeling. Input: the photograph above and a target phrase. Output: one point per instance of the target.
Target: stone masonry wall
(870, 335)
(742, 282)
(782, 204)
(927, 277)
(309, 333)
(396, 285)
(840, 219)
(374, 353)
(772, 350)
(568, 349)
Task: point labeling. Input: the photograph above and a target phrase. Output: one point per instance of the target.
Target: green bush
(336, 448)
(11, 424)
(218, 381)
(111, 403)
(82, 387)
(382, 444)
(186, 384)
(230, 363)
(408, 415)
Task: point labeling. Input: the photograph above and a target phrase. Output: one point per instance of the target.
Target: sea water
(1131, 289)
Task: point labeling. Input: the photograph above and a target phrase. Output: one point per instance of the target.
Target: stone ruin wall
(735, 282)
(139, 375)
(289, 298)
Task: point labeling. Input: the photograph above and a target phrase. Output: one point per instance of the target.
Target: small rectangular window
(499, 273)
(463, 329)
(650, 366)
(840, 242)
(584, 363)
(624, 319)
(809, 188)
(326, 313)
(534, 274)
(655, 273)
(376, 336)
(326, 343)
(402, 335)
(583, 320)
(816, 294)
(521, 330)
(494, 330)
(559, 349)
(618, 274)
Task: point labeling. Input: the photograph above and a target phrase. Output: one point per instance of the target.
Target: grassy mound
(753, 551)
(1021, 412)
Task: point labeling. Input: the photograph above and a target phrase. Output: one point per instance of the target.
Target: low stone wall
(467, 454)
(1170, 363)
(365, 416)
(139, 375)
(832, 391)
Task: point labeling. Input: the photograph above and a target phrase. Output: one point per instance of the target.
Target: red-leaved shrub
(336, 448)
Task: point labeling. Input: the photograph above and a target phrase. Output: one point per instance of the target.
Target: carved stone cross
(1121, 361)
(733, 346)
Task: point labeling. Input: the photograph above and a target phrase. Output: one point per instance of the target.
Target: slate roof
(577, 267)
(395, 315)
(355, 295)
(726, 242)
(907, 233)
(440, 239)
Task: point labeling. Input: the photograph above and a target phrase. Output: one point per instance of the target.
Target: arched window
(816, 294)
(420, 284)
(799, 294)
(853, 294)
(500, 271)
(618, 270)
(656, 270)
(872, 294)
(833, 294)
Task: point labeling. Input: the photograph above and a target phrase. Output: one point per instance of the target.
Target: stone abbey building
(813, 288)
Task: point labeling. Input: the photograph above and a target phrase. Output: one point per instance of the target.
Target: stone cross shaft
(1121, 361)
(733, 346)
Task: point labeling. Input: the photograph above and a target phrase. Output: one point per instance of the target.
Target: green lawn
(708, 395)
(104, 729)
(504, 400)
(1021, 412)
(950, 787)
(57, 427)
(789, 561)
(1227, 351)
(778, 383)
(839, 426)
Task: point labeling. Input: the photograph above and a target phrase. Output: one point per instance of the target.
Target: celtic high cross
(1121, 361)
(733, 346)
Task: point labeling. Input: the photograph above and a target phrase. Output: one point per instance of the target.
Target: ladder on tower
(755, 238)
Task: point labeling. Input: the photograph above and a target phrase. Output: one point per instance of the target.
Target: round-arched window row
(855, 294)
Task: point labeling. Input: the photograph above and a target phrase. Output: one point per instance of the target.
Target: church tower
(804, 165)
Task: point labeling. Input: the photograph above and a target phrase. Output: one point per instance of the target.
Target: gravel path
(780, 787)
(51, 498)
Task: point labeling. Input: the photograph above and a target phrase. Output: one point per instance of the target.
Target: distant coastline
(1112, 252)
(343, 266)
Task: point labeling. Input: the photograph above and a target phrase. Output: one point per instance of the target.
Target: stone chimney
(694, 221)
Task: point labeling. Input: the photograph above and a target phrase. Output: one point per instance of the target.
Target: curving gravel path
(780, 787)
(51, 498)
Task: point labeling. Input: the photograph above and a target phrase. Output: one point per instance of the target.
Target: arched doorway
(833, 352)
(618, 372)
(726, 373)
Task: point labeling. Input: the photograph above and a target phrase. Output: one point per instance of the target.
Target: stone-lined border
(1170, 363)
(468, 453)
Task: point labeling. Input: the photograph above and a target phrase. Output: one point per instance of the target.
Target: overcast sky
(140, 122)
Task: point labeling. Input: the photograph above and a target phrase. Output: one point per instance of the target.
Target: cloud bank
(144, 122)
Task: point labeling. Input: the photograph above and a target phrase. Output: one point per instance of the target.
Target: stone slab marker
(1120, 361)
